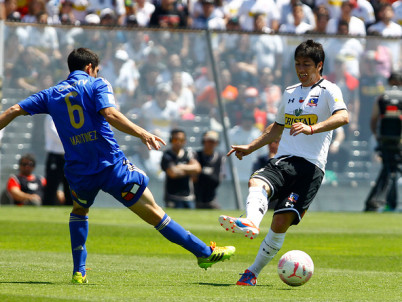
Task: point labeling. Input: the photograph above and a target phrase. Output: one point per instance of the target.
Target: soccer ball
(295, 268)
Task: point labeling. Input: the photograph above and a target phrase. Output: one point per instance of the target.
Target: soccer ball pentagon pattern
(295, 268)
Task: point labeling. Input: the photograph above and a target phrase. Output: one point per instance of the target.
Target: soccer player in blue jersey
(83, 108)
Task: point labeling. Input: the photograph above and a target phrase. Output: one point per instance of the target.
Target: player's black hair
(27, 157)
(312, 50)
(81, 57)
(174, 131)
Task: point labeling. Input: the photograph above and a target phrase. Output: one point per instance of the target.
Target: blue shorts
(124, 181)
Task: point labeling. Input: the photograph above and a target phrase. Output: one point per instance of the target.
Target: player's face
(307, 72)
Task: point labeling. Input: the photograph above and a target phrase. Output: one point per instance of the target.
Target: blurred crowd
(383, 17)
(163, 79)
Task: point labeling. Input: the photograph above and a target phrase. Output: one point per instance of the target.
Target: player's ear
(319, 66)
(88, 68)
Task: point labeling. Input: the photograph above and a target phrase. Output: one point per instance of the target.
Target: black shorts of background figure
(294, 182)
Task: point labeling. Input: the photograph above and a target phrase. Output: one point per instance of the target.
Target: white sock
(257, 204)
(269, 247)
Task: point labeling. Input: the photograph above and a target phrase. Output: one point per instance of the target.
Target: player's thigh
(147, 209)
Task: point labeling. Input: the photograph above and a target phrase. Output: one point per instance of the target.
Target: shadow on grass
(25, 282)
(231, 284)
(47, 283)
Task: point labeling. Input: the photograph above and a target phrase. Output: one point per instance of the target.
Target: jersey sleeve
(280, 115)
(103, 93)
(335, 99)
(36, 103)
(13, 183)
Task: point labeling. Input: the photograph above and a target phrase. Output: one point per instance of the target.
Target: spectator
(385, 26)
(364, 11)
(349, 86)
(372, 84)
(229, 92)
(356, 26)
(124, 76)
(146, 91)
(205, 92)
(263, 159)
(334, 7)
(286, 10)
(349, 47)
(148, 160)
(231, 10)
(10, 10)
(383, 55)
(108, 17)
(142, 10)
(25, 73)
(321, 14)
(116, 6)
(241, 134)
(26, 188)
(397, 6)
(242, 62)
(174, 64)
(298, 26)
(35, 7)
(268, 48)
(270, 94)
(183, 96)
(55, 168)
(260, 24)
(3, 15)
(338, 155)
(179, 165)
(91, 20)
(249, 8)
(160, 113)
(168, 15)
(43, 38)
(210, 16)
(80, 10)
(206, 183)
(13, 51)
(66, 14)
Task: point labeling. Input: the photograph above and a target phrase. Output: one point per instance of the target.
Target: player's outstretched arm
(122, 123)
(10, 114)
(270, 134)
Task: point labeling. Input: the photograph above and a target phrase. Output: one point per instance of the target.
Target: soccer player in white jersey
(308, 113)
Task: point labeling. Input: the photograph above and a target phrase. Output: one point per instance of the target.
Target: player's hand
(240, 151)
(298, 128)
(152, 141)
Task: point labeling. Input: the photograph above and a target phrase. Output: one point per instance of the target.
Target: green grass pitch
(357, 257)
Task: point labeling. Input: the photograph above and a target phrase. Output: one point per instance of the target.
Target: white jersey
(309, 105)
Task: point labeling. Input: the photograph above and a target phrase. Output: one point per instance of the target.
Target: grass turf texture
(357, 257)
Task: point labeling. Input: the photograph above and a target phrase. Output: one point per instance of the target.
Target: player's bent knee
(255, 182)
(79, 210)
(282, 221)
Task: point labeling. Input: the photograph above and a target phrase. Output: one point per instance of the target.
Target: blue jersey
(74, 105)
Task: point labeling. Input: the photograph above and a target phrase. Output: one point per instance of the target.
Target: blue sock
(78, 235)
(175, 233)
